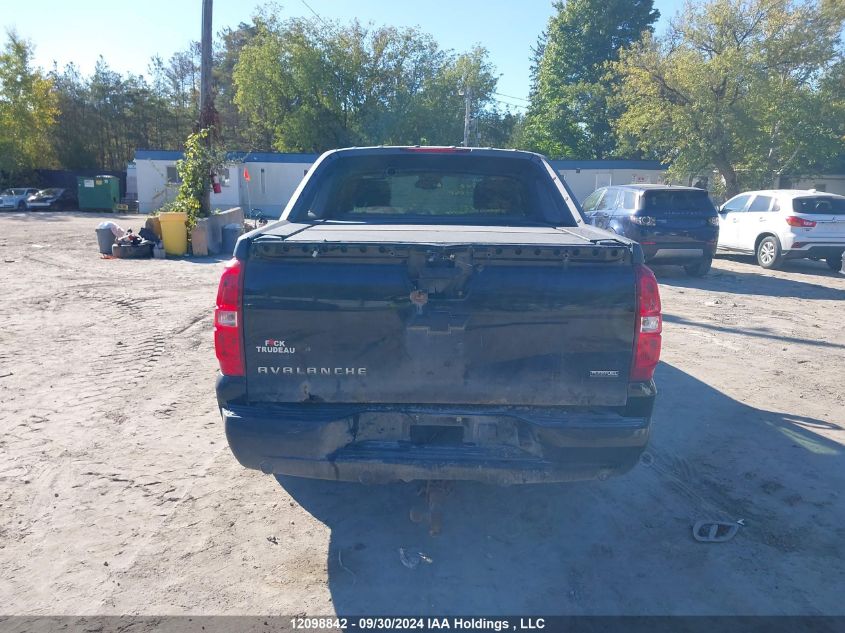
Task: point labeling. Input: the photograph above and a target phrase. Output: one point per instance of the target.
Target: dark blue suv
(674, 225)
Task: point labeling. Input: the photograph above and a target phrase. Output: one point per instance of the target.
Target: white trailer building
(273, 177)
(251, 180)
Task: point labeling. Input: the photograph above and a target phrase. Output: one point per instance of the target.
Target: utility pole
(468, 103)
(207, 113)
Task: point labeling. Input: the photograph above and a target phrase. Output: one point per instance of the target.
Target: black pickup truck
(431, 313)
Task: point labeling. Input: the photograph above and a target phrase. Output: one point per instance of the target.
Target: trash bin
(231, 233)
(105, 239)
(174, 232)
(98, 193)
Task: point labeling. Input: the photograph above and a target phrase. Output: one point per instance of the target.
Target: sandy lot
(118, 493)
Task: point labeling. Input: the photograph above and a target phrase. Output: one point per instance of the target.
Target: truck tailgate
(525, 317)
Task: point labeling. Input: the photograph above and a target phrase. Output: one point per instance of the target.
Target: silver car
(15, 198)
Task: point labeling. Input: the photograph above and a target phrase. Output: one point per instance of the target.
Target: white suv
(784, 224)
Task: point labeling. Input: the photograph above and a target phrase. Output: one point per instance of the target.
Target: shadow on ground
(42, 216)
(64, 216)
(618, 547)
(800, 266)
(755, 332)
(751, 282)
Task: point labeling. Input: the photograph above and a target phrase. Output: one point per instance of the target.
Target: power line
(512, 105)
(316, 15)
(499, 94)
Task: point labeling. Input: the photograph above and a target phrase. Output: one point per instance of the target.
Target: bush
(201, 160)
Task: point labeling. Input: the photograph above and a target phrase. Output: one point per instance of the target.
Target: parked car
(776, 225)
(53, 199)
(674, 225)
(15, 198)
(427, 313)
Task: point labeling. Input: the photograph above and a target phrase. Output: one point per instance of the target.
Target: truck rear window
(821, 205)
(655, 202)
(475, 189)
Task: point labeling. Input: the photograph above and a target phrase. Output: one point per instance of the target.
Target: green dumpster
(98, 193)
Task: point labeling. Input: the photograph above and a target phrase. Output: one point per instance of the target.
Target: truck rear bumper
(326, 443)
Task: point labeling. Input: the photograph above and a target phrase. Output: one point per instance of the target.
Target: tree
(310, 85)
(570, 114)
(742, 86)
(28, 109)
(233, 124)
(104, 118)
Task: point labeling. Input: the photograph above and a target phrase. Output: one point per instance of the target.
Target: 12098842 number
(318, 624)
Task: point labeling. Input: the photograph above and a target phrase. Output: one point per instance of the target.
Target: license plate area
(436, 435)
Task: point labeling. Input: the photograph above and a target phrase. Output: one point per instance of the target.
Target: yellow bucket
(174, 232)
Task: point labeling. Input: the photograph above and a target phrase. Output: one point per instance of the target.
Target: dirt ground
(118, 493)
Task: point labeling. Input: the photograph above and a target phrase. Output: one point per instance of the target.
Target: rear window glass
(819, 204)
(428, 187)
(663, 201)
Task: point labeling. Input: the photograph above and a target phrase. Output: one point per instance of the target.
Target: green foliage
(202, 158)
(570, 113)
(104, 118)
(234, 126)
(295, 85)
(308, 85)
(28, 109)
(752, 88)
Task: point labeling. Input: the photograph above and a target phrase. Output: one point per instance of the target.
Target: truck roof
(435, 149)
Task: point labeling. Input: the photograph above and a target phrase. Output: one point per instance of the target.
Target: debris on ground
(114, 228)
(714, 531)
(344, 567)
(435, 492)
(411, 559)
(133, 246)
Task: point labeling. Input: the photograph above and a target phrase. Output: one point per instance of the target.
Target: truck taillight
(794, 220)
(649, 325)
(228, 322)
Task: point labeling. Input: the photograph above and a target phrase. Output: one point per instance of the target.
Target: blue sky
(128, 33)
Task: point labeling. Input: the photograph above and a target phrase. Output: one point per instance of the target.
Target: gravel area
(118, 493)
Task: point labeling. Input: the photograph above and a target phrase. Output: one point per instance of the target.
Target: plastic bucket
(105, 239)
(174, 233)
(231, 233)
